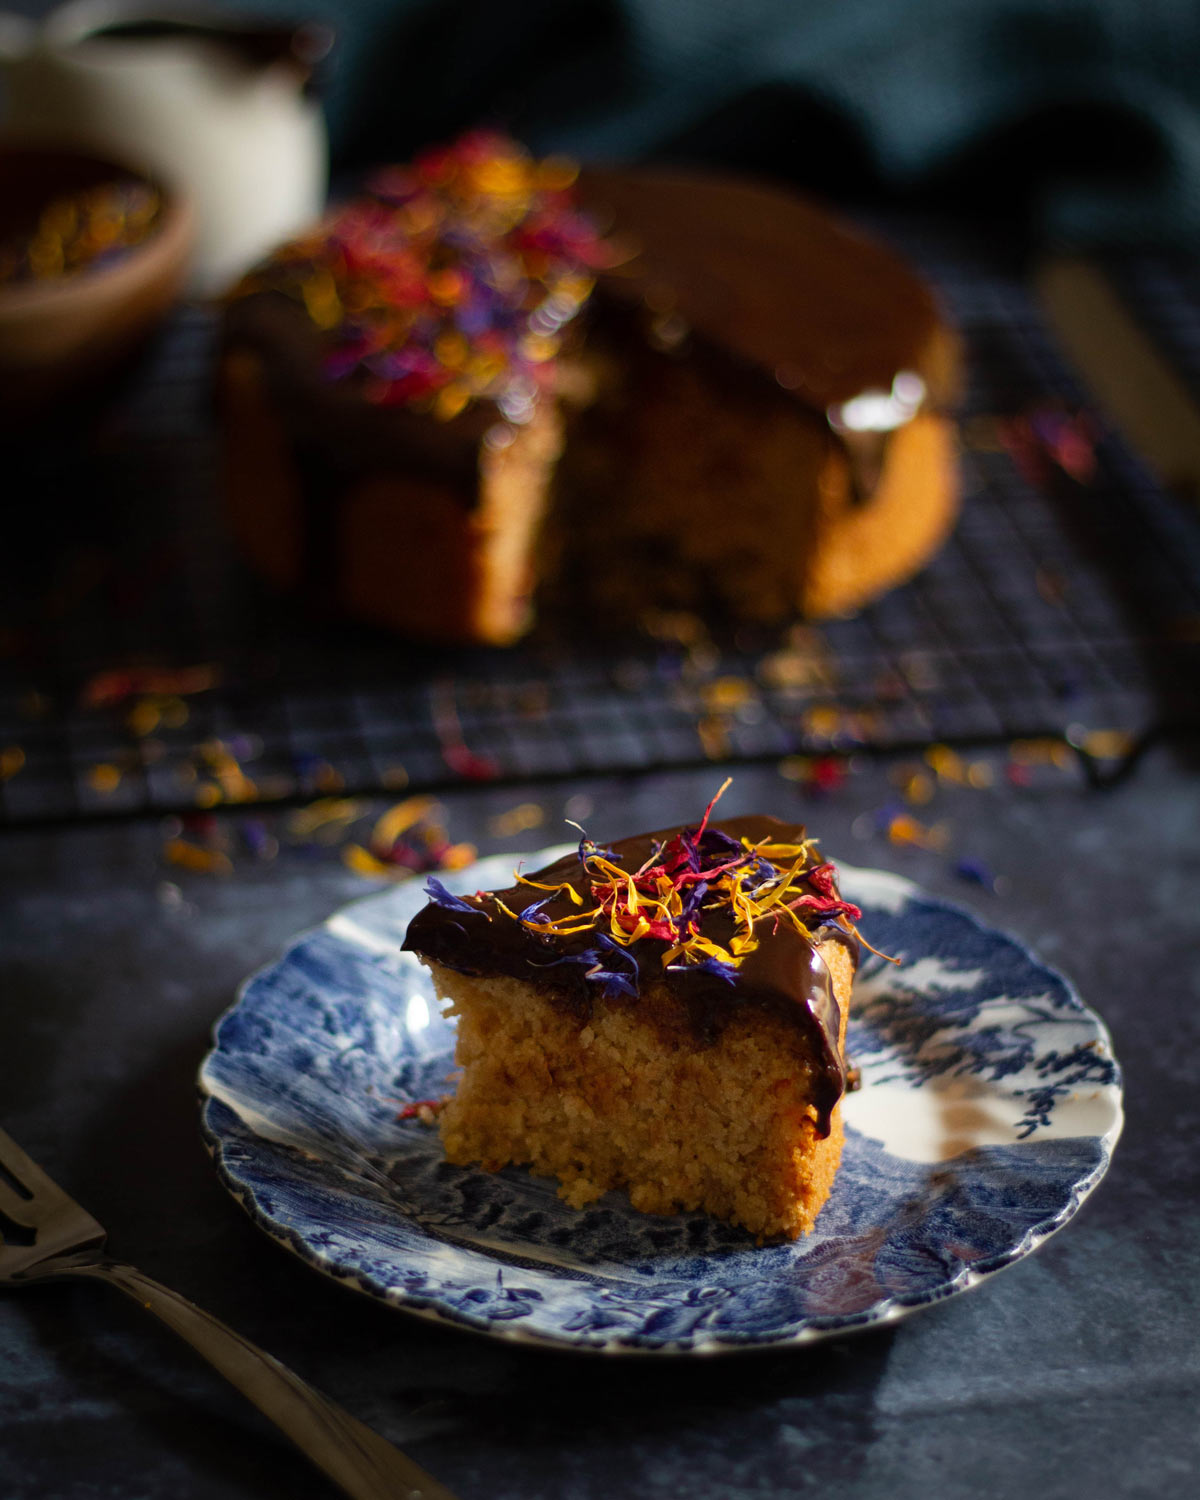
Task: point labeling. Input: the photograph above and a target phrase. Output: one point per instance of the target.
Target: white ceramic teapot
(213, 102)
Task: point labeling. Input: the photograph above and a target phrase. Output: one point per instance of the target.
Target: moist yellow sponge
(712, 1085)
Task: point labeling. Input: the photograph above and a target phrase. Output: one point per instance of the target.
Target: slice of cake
(666, 1015)
(389, 389)
(487, 383)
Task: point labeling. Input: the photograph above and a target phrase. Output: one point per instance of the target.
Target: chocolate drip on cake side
(786, 975)
(340, 440)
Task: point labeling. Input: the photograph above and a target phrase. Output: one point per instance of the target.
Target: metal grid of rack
(1060, 601)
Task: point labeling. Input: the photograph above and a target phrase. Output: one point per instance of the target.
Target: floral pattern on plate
(989, 1109)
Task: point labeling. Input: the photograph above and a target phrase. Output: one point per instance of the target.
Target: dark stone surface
(1074, 1372)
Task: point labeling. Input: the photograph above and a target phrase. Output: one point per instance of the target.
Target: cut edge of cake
(432, 524)
(602, 1105)
(665, 1017)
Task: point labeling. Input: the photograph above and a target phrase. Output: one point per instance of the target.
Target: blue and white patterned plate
(989, 1107)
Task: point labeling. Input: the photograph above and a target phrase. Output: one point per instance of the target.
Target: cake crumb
(425, 1110)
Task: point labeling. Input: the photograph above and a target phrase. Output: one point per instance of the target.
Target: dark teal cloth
(1077, 118)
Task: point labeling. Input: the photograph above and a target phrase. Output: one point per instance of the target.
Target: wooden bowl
(59, 337)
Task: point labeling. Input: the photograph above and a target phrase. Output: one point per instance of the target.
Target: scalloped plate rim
(888, 1311)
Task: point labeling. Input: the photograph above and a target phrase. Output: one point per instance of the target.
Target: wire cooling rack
(144, 670)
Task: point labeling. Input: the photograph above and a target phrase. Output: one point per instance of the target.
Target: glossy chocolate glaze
(790, 291)
(785, 976)
(747, 283)
(786, 290)
(767, 276)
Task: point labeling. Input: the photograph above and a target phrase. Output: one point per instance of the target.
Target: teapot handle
(18, 35)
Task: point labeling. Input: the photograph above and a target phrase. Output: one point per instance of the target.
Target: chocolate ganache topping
(751, 907)
(825, 313)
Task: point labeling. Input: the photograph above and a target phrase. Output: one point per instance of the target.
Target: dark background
(973, 136)
(1073, 123)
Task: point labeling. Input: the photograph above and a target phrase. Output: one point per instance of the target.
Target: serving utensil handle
(365, 1465)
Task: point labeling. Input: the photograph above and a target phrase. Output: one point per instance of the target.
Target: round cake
(491, 384)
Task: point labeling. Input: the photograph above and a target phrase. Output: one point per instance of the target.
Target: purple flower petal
(436, 891)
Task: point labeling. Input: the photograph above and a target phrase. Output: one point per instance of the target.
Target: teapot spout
(311, 44)
(257, 44)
